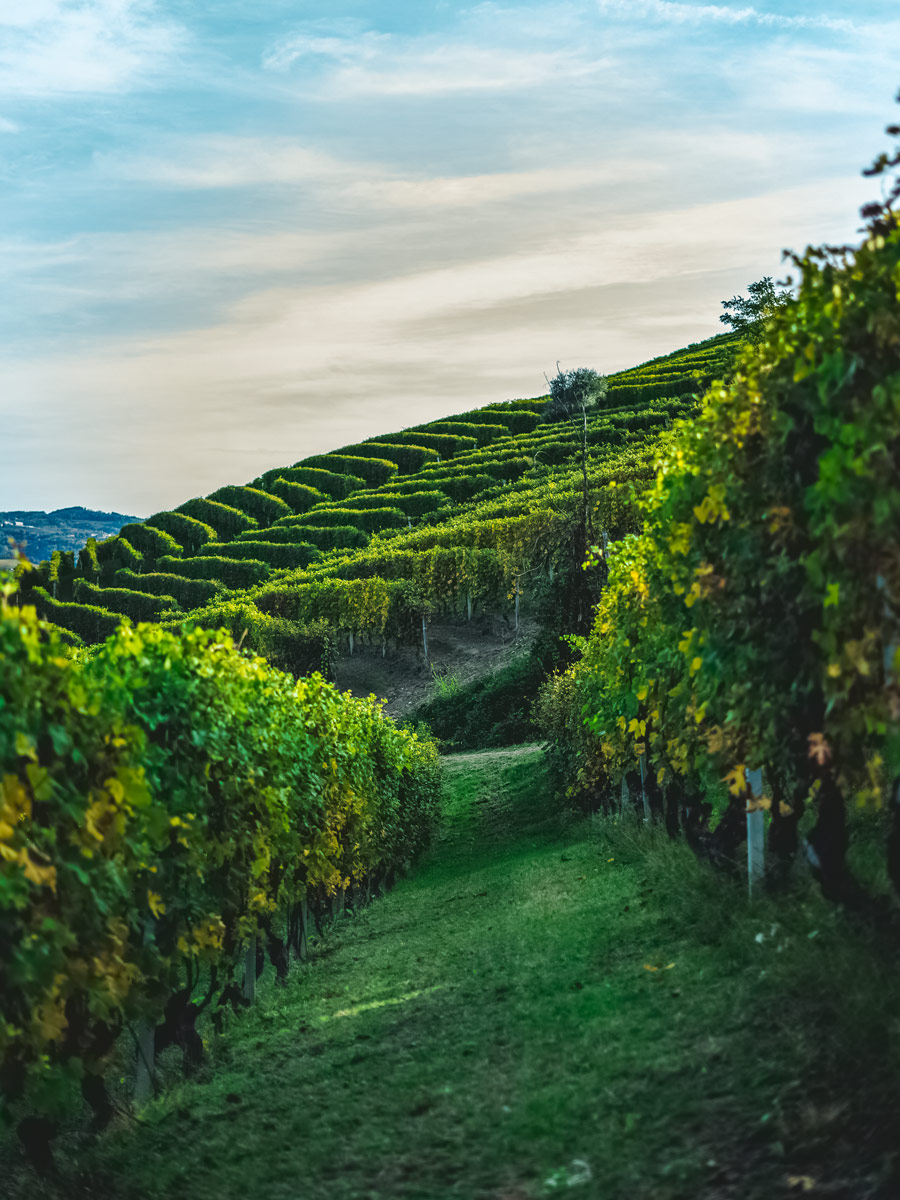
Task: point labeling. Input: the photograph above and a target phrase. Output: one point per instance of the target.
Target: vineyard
(709, 554)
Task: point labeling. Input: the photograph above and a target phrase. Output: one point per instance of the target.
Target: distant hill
(40, 533)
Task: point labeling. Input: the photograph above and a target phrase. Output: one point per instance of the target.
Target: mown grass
(546, 1005)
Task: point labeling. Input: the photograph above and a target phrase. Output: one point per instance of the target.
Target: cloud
(8, 126)
(723, 14)
(225, 161)
(64, 47)
(377, 64)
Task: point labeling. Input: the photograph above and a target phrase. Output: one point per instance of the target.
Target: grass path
(490, 1031)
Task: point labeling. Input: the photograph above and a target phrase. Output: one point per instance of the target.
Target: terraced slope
(372, 540)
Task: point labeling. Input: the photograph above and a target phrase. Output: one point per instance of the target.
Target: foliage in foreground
(755, 623)
(162, 801)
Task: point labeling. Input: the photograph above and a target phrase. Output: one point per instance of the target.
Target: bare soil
(464, 650)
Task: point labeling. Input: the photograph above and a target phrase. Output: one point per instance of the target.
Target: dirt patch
(461, 650)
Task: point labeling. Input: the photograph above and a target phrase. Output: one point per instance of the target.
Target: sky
(233, 235)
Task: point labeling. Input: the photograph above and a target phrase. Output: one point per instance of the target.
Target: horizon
(214, 221)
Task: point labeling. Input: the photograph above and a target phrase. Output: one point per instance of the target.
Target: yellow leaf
(39, 876)
(155, 903)
(696, 664)
(647, 967)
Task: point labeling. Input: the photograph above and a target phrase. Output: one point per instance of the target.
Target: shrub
(91, 623)
(332, 483)
(190, 593)
(409, 459)
(446, 444)
(164, 798)
(374, 471)
(480, 431)
(369, 519)
(88, 560)
(228, 522)
(276, 553)
(263, 507)
(299, 496)
(232, 572)
(190, 533)
(112, 554)
(510, 420)
(152, 543)
(138, 606)
(336, 537)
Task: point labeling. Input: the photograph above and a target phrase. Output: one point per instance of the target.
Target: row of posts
(756, 827)
(145, 1033)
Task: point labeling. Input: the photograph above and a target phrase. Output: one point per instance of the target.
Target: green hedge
(136, 861)
(228, 522)
(334, 484)
(190, 533)
(89, 560)
(370, 519)
(262, 506)
(276, 553)
(446, 444)
(190, 593)
(299, 496)
(152, 543)
(137, 606)
(335, 537)
(414, 504)
(111, 554)
(409, 459)
(91, 623)
(512, 420)
(374, 471)
(232, 572)
(481, 432)
(286, 533)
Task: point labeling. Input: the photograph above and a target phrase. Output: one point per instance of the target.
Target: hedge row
(190, 533)
(446, 444)
(137, 606)
(408, 458)
(333, 483)
(373, 471)
(369, 519)
(90, 622)
(225, 519)
(263, 507)
(275, 553)
(232, 572)
(151, 543)
(133, 865)
(190, 593)
(334, 537)
(480, 431)
(413, 503)
(300, 497)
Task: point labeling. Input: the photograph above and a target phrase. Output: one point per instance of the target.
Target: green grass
(490, 1031)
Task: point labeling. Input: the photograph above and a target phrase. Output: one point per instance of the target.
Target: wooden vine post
(425, 636)
(646, 802)
(145, 1039)
(756, 831)
(249, 989)
(303, 949)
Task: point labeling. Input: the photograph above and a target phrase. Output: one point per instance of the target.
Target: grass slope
(491, 1031)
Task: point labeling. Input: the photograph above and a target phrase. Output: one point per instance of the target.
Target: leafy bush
(90, 622)
(299, 496)
(133, 861)
(333, 483)
(409, 458)
(369, 519)
(189, 593)
(334, 537)
(479, 430)
(137, 606)
(151, 543)
(190, 533)
(446, 444)
(373, 471)
(263, 507)
(228, 522)
(110, 555)
(276, 553)
(232, 572)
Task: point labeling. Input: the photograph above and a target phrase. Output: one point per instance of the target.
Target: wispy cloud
(695, 14)
(64, 47)
(369, 63)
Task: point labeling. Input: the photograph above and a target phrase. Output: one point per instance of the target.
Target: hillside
(467, 516)
(546, 1006)
(38, 534)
